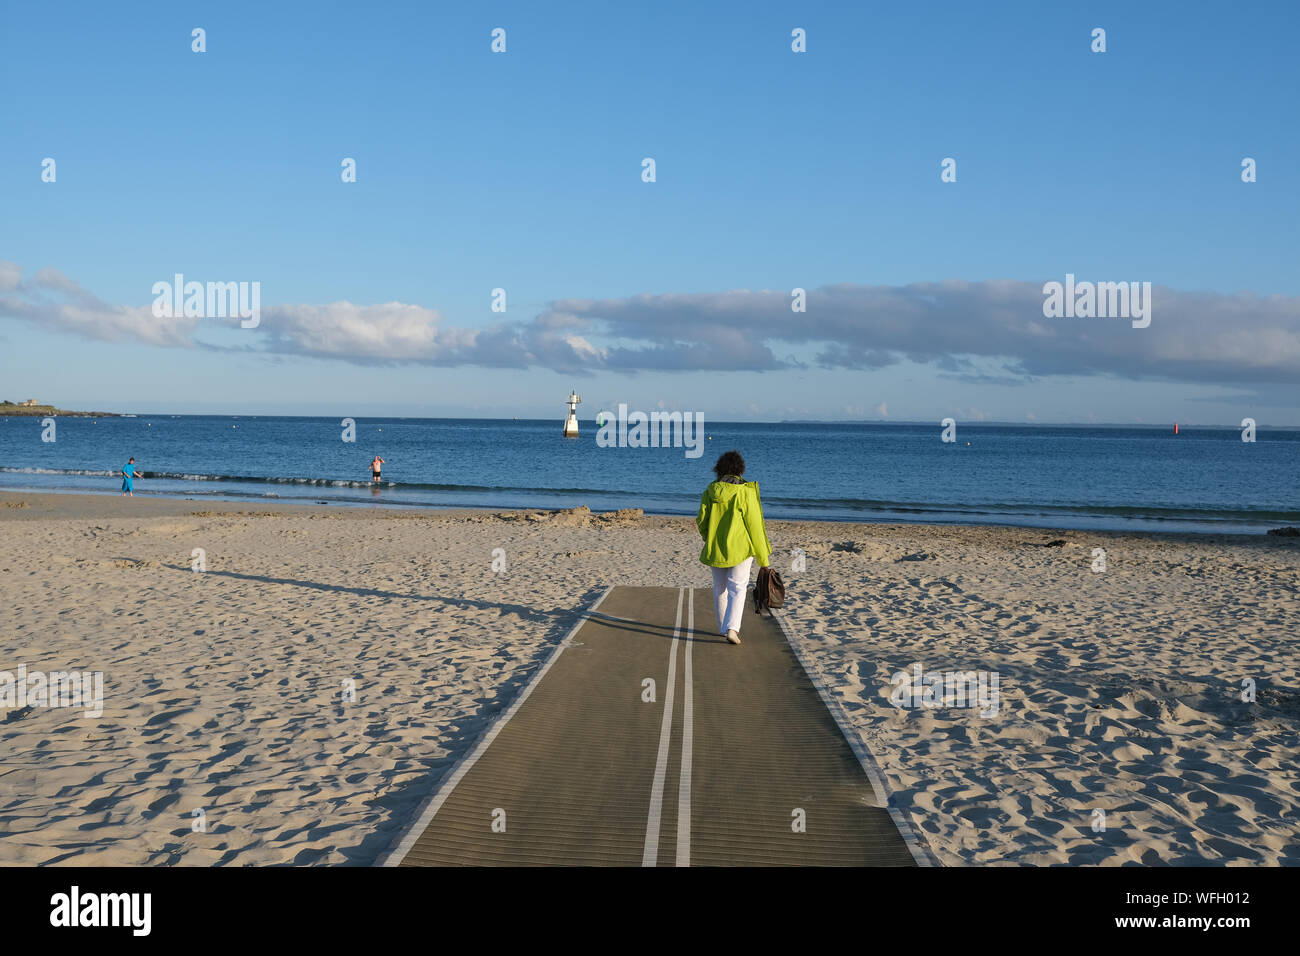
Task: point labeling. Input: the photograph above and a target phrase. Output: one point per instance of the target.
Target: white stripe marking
(688, 727)
(426, 814)
(650, 855)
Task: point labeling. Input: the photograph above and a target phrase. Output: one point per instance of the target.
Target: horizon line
(723, 421)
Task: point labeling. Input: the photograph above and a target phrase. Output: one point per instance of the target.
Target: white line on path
(688, 725)
(650, 855)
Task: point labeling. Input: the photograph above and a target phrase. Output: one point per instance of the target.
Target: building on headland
(30, 402)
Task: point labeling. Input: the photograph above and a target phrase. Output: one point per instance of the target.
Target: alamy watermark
(83, 689)
(130, 910)
(655, 430)
(931, 689)
(215, 300)
(1102, 300)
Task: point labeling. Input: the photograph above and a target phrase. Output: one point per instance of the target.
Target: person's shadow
(527, 613)
(557, 617)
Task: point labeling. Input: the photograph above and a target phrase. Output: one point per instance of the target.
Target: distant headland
(32, 408)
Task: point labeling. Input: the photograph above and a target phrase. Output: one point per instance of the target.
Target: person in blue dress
(129, 474)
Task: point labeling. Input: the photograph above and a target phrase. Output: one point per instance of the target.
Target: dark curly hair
(730, 463)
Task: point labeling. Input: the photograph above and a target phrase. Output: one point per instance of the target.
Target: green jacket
(731, 524)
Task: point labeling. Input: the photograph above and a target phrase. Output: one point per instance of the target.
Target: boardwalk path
(737, 760)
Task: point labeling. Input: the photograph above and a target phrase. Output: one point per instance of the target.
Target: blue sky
(775, 170)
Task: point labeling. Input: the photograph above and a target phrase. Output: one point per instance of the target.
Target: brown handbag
(769, 590)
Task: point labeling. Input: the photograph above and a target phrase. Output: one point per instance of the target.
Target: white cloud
(983, 332)
(10, 275)
(51, 300)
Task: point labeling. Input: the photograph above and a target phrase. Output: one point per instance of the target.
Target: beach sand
(1121, 691)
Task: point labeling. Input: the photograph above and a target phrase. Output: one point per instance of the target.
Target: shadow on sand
(401, 804)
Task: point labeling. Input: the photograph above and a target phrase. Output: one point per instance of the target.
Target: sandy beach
(226, 691)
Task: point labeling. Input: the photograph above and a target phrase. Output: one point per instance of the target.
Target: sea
(1050, 476)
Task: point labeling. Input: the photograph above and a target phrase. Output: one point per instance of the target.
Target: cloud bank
(962, 328)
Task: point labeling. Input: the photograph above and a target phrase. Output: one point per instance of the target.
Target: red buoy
(1175, 428)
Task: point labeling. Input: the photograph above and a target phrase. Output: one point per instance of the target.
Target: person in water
(129, 474)
(731, 524)
(374, 468)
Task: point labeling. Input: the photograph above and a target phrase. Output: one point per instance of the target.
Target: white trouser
(730, 586)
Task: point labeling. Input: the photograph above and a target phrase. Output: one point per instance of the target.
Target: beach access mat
(645, 739)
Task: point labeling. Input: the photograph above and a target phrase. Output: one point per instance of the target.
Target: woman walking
(731, 524)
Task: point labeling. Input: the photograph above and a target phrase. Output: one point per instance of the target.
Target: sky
(774, 170)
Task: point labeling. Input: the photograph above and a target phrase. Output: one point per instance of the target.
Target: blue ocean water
(1049, 476)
